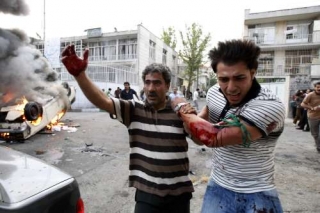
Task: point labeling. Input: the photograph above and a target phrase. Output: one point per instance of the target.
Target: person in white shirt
(174, 94)
(243, 167)
(195, 98)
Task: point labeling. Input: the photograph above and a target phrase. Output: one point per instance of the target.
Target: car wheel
(32, 111)
(66, 86)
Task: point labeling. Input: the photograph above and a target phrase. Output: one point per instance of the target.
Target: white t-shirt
(247, 169)
(172, 95)
(195, 95)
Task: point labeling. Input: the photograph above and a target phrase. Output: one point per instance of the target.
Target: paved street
(97, 155)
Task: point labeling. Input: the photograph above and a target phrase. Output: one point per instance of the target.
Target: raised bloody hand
(72, 62)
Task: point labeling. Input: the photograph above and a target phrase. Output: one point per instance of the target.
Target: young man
(159, 164)
(312, 103)
(127, 93)
(242, 177)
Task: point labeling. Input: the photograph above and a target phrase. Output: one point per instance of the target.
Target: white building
(114, 58)
(290, 45)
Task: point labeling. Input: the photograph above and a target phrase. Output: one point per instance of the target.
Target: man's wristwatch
(178, 106)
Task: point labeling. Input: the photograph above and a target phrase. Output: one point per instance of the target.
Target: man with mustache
(312, 103)
(242, 177)
(159, 164)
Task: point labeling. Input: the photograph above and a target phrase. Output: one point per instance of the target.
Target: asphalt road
(97, 155)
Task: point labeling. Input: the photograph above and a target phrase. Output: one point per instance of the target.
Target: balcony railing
(114, 74)
(113, 57)
(280, 70)
(290, 65)
(264, 39)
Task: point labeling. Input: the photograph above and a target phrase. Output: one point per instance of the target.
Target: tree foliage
(169, 37)
(194, 43)
(212, 80)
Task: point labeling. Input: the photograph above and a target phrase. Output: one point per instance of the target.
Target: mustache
(152, 94)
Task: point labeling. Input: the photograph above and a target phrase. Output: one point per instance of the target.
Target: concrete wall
(279, 61)
(144, 36)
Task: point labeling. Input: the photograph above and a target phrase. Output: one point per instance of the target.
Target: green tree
(169, 37)
(194, 43)
(212, 80)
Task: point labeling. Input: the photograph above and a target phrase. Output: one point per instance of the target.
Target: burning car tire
(33, 111)
(67, 87)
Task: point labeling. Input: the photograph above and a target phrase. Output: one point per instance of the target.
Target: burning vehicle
(31, 95)
(31, 98)
(26, 118)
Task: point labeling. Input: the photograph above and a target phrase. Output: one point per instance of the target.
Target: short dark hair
(235, 51)
(316, 83)
(157, 68)
(126, 83)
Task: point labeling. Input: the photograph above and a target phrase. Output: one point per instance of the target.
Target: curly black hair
(235, 51)
(157, 68)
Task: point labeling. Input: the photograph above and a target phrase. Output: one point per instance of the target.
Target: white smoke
(24, 71)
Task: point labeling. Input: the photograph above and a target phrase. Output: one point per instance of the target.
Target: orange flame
(21, 103)
(55, 120)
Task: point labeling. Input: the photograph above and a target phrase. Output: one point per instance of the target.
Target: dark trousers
(149, 203)
(298, 115)
(314, 128)
(304, 120)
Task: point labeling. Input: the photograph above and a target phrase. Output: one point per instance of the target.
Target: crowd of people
(299, 114)
(243, 140)
(305, 107)
(126, 94)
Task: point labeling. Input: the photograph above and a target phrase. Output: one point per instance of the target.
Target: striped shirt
(159, 163)
(241, 169)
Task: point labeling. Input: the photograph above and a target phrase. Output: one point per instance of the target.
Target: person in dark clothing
(304, 119)
(299, 99)
(127, 93)
(293, 106)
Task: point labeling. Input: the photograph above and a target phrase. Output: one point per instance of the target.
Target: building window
(262, 34)
(152, 50)
(78, 46)
(174, 63)
(297, 33)
(164, 56)
(266, 63)
(95, 52)
(109, 50)
(127, 49)
(299, 61)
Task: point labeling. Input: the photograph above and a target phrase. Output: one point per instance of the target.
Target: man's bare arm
(76, 66)
(94, 94)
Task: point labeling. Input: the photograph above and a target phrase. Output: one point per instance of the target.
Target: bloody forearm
(201, 129)
(209, 134)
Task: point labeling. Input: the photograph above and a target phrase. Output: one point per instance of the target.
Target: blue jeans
(220, 200)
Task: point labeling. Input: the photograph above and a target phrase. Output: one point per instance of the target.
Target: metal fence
(265, 39)
(107, 73)
(289, 65)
